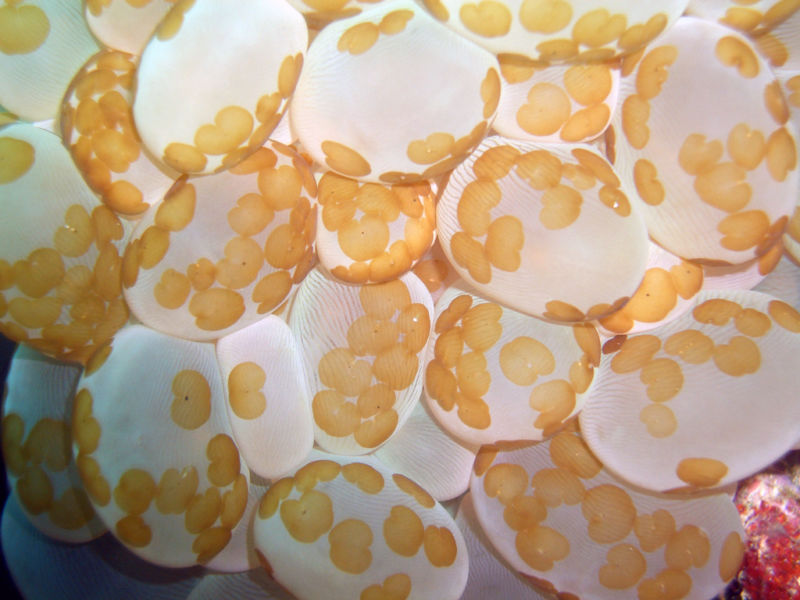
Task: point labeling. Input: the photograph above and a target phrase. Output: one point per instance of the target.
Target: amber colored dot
(403, 531)
(309, 517)
(588, 84)
(635, 353)
(471, 255)
(701, 472)
(598, 28)
(234, 503)
(557, 486)
(241, 265)
(432, 149)
(397, 586)
(649, 188)
(375, 400)
(752, 322)
(663, 378)
(133, 531)
(349, 546)
(731, 556)
(546, 110)
(175, 490)
(93, 481)
(397, 367)
(586, 123)
(635, 115)
(76, 235)
(308, 476)
(487, 19)
(776, 103)
(49, 443)
(540, 547)
(545, 16)
(558, 310)
(653, 71)
(733, 52)
(34, 490)
(223, 456)
(659, 420)
(473, 411)
(16, 158)
(172, 289)
(690, 345)
(203, 510)
(364, 476)
(554, 400)
(747, 147)
(415, 323)
(345, 160)
(785, 315)
(373, 432)
(655, 297)
(184, 158)
(370, 336)
(610, 513)
(669, 583)
(524, 512)
(216, 308)
(333, 414)
(210, 542)
(231, 128)
(12, 435)
(490, 89)
(39, 273)
(716, 311)
(561, 206)
(72, 510)
(687, 279)
(689, 547)
(477, 199)
(191, 405)
(245, 383)
(653, 531)
(277, 492)
(383, 300)
(781, 154)
(480, 326)
(280, 188)
(154, 244)
(743, 230)
(504, 241)
(724, 186)
(569, 452)
(440, 546)
(441, 384)
(135, 491)
(250, 215)
(271, 290)
(85, 428)
(523, 359)
(739, 357)
(414, 490)
(624, 567)
(505, 482)
(341, 370)
(177, 209)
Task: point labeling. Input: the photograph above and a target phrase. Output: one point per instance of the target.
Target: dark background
(9, 590)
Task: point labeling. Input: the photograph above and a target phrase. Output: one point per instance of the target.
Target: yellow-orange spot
(504, 240)
(16, 156)
(654, 530)
(635, 115)
(184, 158)
(191, 404)
(689, 547)
(175, 490)
(349, 546)
(561, 206)
(25, 28)
(93, 481)
(133, 531)
(731, 556)
(569, 451)
(635, 353)
(135, 491)
(487, 18)
(733, 52)
(309, 517)
(690, 345)
(397, 586)
(545, 16)
(209, 543)
(245, 385)
(203, 510)
(477, 199)
(625, 566)
(781, 154)
(440, 546)
(541, 547)
(223, 456)
(609, 512)
(216, 308)
(177, 209)
(701, 472)
(403, 531)
(414, 490)
(546, 110)
(739, 357)
(669, 583)
(785, 315)
(659, 420)
(172, 289)
(523, 359)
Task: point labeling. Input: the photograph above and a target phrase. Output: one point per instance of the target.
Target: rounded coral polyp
(717, 182)
(363, 105)
(547, 230)
(238, 91)
(683, 394)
